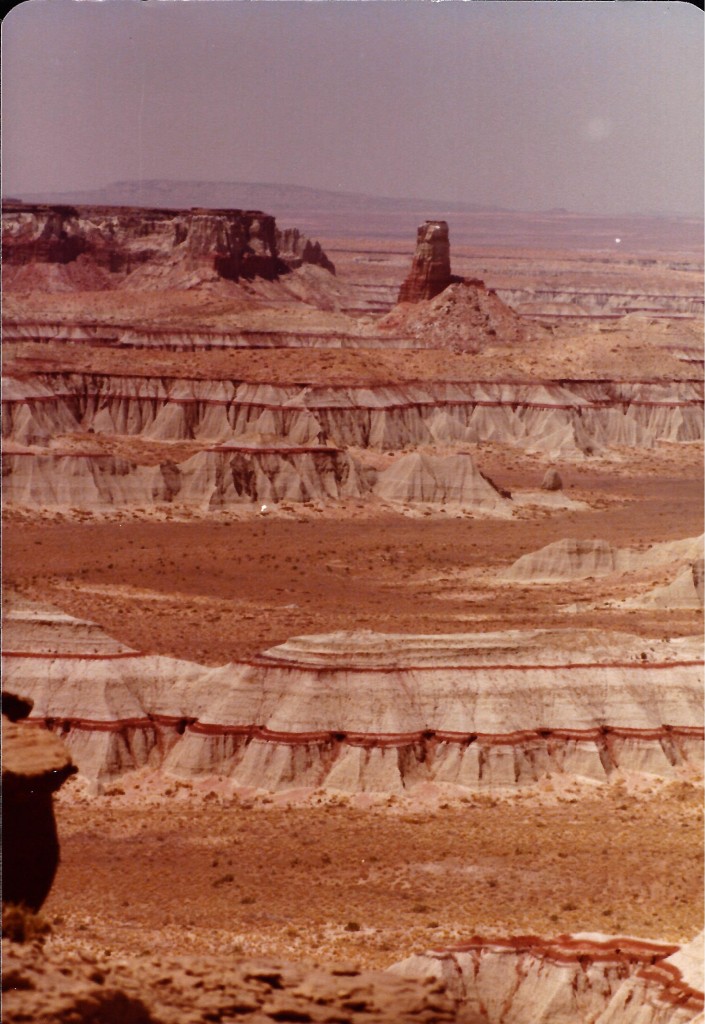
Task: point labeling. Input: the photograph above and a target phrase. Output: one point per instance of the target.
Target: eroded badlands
(407, 598)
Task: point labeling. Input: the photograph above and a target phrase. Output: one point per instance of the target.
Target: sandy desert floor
(334, 882)
(218, 591)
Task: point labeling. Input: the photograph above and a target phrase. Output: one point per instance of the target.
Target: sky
(594, 106)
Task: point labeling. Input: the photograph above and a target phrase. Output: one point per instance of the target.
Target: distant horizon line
(459, 205)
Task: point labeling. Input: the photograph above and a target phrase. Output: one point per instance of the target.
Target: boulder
(552, 480)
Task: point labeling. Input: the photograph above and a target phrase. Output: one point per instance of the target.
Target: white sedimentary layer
(249, 474)
(597, 302)
(572, 558)
(574, 418)
(266, 443)
(576, 979)
(373, 712)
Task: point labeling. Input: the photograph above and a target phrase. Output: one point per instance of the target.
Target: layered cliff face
(573, 979)
(367, 712)
(253, 442)
(555, 302)
(430, 269)
(122, 241)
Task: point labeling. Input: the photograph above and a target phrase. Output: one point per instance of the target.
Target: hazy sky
(593, 106)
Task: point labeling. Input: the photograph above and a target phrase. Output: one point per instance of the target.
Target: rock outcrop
(430, 268)
(572, 979)
(367, 712)
(136, 247)
(686, 591)
(574, 558)
(47, 985)
(450, 480)
(465, 317)
(34, 765)
(295, 249)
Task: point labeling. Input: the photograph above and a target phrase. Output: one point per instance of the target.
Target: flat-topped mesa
(235, 244)
(430, 269)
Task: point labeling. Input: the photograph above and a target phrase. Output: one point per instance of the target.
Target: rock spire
(430, 270)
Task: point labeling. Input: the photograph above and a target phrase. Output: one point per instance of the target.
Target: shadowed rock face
(296, 249)
(430, 270)
(35, 764)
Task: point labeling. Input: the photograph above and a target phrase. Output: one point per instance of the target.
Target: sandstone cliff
(115, 242)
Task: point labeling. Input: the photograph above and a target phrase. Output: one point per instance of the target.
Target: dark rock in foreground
(49, 985)
(35, 764)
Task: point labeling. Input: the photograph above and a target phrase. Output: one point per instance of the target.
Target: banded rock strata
(366, 712)
(246, 474)
(553, 302)
(573, 979)
(539, 415)
(255, 442)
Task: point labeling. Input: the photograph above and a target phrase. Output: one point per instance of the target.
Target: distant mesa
(152, 247)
